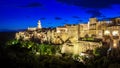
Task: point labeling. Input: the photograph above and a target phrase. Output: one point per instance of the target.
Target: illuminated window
(107, 32)
(115, 33)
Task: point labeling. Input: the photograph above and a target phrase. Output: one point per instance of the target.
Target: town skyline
(35, 24)
(21, 14)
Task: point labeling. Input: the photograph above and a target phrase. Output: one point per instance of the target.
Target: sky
(21, 14)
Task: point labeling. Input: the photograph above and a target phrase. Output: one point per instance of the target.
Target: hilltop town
(95, 44)
(72, 33)
(99, 32)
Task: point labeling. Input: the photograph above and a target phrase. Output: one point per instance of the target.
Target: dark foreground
(27, 54)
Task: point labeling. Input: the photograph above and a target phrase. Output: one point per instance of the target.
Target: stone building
(35, 28)
(68, 35)
(83, 30)
(94, 28)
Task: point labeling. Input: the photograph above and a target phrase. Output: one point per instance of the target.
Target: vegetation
(88, 39)
(27, 54)
(43, 49)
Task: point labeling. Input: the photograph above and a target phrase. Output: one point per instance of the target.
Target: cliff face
(69, 42)
(48, 36)
(78, 47)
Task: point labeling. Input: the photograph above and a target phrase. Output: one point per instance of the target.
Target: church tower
(39, 25)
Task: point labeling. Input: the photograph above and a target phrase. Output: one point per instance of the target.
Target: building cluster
(72, 33)
(39, 34)
(93, 28)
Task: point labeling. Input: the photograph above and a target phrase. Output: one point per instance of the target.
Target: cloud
(98, 4)
(58, 18)
(77, 17)
(33, 4)
(95, 13)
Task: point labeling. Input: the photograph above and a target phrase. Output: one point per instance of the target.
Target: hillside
(5, 36)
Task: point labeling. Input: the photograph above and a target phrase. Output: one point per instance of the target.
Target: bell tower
(39, 24)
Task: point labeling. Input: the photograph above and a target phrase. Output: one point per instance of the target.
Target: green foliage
(26, 54)
(20, 56)
(47, 49)
(101, 51)
(27, 44)
(96, 51)
(88, 39)
(12, 42)
(44, 49)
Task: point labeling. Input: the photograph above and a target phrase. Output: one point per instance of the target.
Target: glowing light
(58, 31)
(107, 32)
(115, 33)
(82, 54)
(100, 33)
(37, 53)
(114, 45)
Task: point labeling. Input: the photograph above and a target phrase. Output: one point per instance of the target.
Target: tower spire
(39, 24)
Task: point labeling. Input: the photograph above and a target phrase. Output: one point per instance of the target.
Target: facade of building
(93, 28)
(108, 31)
(35, 28)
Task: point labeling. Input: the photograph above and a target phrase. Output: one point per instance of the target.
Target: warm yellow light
(107, 32)
(37, 53)
(115, 43)
(58, 31)
(115, 33)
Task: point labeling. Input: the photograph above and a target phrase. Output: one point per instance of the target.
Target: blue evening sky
(20, 14)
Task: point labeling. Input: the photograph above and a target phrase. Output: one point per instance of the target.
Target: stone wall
(78, 47)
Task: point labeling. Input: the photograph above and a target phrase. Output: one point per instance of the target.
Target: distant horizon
(18, 29)
(21, 14)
